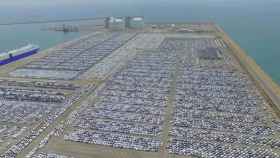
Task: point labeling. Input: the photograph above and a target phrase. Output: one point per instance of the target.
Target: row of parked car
(82, 55)
(115, 140)
(39, 84)
(131, 106)
(219, 111)
(18, 93)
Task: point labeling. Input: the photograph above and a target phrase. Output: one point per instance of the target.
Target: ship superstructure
(16, 54)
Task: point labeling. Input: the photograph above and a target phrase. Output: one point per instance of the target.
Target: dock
(158, 91)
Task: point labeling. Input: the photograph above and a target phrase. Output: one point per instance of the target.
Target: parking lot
(131, 106)
(28, 107)
(216, 108)
(218, 111)
(162, 92)
(71, 61)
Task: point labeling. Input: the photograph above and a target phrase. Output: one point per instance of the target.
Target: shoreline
(269, 88)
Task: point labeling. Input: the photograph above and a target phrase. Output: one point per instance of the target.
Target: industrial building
(135, 22)
(121, 23)
(115, 23)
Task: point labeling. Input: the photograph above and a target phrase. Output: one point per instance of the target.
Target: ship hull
(18, 57)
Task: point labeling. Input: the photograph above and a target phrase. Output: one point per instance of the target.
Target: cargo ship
(17, 54)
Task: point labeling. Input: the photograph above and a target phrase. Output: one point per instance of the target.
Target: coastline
(264, 82)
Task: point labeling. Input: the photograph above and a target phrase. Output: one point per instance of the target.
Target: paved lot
(157, 92)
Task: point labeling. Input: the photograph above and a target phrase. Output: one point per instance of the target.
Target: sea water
(253, 24)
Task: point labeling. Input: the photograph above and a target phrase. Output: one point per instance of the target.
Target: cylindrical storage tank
(115, 23)
(136, 22)
(106, 21)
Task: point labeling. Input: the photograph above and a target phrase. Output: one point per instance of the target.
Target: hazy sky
(65, 2)
(25, 3)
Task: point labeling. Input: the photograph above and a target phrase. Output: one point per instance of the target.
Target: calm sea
(253, 24)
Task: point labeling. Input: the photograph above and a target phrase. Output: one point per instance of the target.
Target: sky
(25, 3)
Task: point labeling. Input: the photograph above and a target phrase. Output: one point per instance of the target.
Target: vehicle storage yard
(162, 91)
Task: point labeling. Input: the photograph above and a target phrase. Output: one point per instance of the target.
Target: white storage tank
(135, 22)
(115, 23)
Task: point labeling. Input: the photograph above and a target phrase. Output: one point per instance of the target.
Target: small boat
(17, 54)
